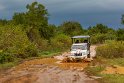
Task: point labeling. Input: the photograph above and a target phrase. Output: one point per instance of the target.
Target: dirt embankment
(47, 70)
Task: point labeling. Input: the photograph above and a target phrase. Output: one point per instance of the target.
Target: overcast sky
(87, 12)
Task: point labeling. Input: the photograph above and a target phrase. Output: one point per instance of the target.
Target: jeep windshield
(82, 47)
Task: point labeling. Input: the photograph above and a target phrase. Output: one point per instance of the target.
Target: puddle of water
(51, 61)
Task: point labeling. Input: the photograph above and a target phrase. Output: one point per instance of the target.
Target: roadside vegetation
(28, 35)
(100, 64)
(109, 54)
(111, 49)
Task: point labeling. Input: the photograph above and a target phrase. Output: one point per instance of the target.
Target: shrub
(5, 57)
(112, 49)
(101, 38)
(14, 41)
(31, 51)
(61, 41)
(98, 38)
(41, 44)
(35, 37)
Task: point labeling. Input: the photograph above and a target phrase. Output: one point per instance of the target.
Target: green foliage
(120, 34)
(6, 57)
(30, 51)
(111, 49)
(4, 66)
(100, 33)
(15, 42)
(19, 18)
(3, 22)
(111, 35)
(101, 38)
(98, 38)
(42, 44)
(50, 53)
(122, 19)
(61, 41)
(71, 28)
(36, 17)
(99, 28)
(52, 31)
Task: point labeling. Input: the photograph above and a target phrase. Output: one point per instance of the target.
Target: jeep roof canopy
(81, 36)
(87, 37)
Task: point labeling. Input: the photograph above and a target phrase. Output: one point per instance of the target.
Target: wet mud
(47, 70)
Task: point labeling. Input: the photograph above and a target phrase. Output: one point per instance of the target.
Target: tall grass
(111, 49)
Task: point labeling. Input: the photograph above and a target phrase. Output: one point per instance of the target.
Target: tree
(19, 18)
(122, 19)
(100, 33)
(60, 41)
(52, 30)
(99, 28)
(71, 28)
(14, 41)
(3, 22)
(37, 15)
(36, 18)
(120, 34)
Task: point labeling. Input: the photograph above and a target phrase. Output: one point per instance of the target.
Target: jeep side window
(85, 41)
(77, 41)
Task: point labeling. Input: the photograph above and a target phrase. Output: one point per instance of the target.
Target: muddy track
(48, 70)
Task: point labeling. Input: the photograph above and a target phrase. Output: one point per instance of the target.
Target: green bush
(101, 38)
(35, 37)
(61, 41)
(41, 44)
(112, 49)
(5, 57)
(98, 38)
(14, 41)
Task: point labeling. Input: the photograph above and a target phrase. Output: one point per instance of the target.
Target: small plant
(5, 57)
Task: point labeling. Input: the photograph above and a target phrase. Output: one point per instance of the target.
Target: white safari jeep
(80, 48)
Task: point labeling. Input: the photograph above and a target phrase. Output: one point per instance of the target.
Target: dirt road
(47, 70)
